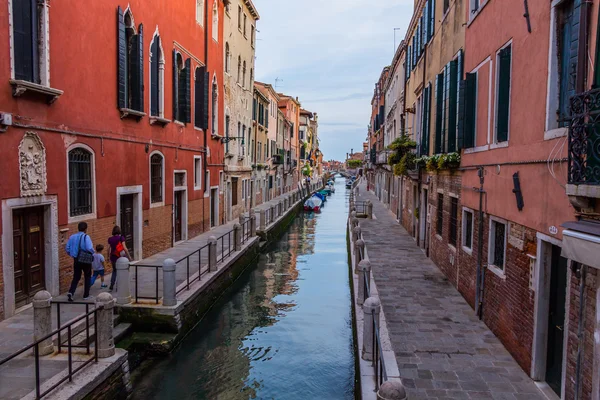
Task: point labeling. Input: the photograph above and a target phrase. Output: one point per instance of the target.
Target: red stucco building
(111, 114)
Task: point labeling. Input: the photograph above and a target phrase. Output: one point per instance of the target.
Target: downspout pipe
(580, 333)
(480, 281)
(205, 158)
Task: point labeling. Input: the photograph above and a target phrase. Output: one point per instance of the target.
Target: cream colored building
(239, 37)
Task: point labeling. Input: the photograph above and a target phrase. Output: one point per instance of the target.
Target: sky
(330, 54)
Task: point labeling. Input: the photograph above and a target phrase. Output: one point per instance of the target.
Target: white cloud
(330, 54)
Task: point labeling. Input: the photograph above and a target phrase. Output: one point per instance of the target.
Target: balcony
(382, 157)
(584, 150)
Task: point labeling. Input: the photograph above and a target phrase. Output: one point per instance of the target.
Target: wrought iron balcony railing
(584, 139)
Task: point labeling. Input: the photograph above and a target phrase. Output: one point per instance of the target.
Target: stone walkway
(17, 377)
(443, 350)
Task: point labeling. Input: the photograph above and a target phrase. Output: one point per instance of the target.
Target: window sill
(497, 271)
(452, 247)
(467, 250)
(179, 123)
(438, 237)
(157, 204)
(21, 87)
(129, 113)
(159, 121)
(474, 15)
(81, 218)
(216, 136)
(500, 145)
(197, 188)
(477, 149)
(556, 133)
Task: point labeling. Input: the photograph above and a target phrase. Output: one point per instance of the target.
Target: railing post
(169, 282)
(272, 214)
(263, 219)
(212, 254)
(104, 317)
(241, 218)
(253, 222)
(123, 289)
(237, 237)
(355, 233)
(280, 208)
(359, 248)
(285, 203)
(369, 209)
(42, 321)
(371, 309)
(364, 280)
(392, 390)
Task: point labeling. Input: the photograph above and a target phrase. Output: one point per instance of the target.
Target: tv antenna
(277, 80)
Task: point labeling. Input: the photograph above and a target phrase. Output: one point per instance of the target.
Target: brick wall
(157, 230)
(589, 325)
(198, 217)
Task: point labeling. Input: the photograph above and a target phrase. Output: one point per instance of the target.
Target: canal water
(282, 331)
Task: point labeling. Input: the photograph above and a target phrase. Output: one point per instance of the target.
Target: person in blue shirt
(72, 248)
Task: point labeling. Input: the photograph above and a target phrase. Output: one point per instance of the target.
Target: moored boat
(314, 203)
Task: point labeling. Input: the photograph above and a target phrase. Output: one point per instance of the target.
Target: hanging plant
(432, 163)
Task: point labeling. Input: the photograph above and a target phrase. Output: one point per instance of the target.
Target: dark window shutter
(503, 106)
(154, 71)
(424, 123)
(426, 22)
(198, 79)
(140, 70)
(175, 87)
(206, 98)
(466, 115)
(181, 95)
(121, 61)
(452, 106)
(431, 18)
(439, 117)
(187, 93)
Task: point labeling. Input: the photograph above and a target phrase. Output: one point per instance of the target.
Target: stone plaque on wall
(32, 165)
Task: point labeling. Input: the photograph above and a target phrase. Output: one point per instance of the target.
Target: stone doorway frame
(51, 246)
(184, 206)
(541, 287)
(138, 230)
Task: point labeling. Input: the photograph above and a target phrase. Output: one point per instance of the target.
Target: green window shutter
(431, 18)
(503, 107)
(439, 119)
(426, 118)
(452, 106)
(175, 87)
(425, 22)
(466, 111)
(187, 92)
(445, 108)
(121, 60)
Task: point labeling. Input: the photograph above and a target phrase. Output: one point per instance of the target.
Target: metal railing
(72, 370)
(378, 361)
(188, 281)
(87, 322)
(226, 248)
(361, 207)
(246, 230)
(137, 294)
(584, 136)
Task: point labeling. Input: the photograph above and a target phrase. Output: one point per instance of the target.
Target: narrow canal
(282, 331)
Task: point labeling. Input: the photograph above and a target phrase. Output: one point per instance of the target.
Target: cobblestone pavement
(443, 350)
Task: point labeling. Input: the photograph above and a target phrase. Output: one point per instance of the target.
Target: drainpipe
(206, 34)
(480, 270)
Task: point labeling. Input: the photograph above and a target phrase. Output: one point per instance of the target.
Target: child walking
(98, 266)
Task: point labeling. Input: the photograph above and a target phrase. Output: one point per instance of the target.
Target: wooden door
(556, 320)
(178, 215)
(127, 222)
(214, 204)
(28, 245)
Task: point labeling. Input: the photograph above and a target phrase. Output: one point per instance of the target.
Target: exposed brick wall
(1, 286)
(589, 325)
(157, 230)
(198, 217)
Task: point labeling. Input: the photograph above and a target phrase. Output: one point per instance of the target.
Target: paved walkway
(17, 377)
(443, 350)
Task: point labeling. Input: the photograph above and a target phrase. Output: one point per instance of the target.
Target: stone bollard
(280, 208)
(371, 309)
(123, 290)
(253, 224)
(241, 218)
(263, 219)
(364, 280)
(272, 214)
(369, 209)
(237, 237)
(104, 317)
(392, 390)
(212, 254)
(359, 248)
(42, 321)
(169, 282)
(354, 222)
(355, 234)
(353, 214)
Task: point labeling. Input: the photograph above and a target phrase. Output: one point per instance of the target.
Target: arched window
(239, 75)
(80, 182)
(227, 58)
(200, 11)
(157, 77)
(215, 24)
(181, 88)
(244, 75)
(130, 82)
(156, 178)
(215, 107)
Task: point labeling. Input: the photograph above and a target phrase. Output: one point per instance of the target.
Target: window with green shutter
(452, 106)
(503, 94)
(466, 111)
(439, 105)
(426, 121)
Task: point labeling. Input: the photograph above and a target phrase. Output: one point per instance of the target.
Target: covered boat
(320, 195)
(313, 204)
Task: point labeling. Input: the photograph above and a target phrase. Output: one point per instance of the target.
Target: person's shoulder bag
(84, 256)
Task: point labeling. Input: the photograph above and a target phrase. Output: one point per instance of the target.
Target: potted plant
(453, 160)
(442, 161)
(432, 163)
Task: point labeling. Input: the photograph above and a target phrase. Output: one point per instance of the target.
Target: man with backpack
(80, 247)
